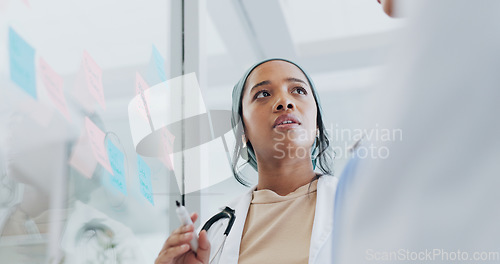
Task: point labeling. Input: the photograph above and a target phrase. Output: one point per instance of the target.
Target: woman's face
(279, 111)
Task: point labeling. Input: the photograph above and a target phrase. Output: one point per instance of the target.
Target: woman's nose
(280, 106)
(284, 104)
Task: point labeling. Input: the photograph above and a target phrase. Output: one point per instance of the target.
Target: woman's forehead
(274, 69)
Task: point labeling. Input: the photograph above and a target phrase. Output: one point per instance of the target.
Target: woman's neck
(285, 175)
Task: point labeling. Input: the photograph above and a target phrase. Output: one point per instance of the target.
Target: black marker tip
(177, 203)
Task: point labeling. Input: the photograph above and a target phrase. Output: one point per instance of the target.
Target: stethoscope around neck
(226, 213)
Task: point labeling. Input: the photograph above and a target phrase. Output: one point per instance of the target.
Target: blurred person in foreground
(435, 198)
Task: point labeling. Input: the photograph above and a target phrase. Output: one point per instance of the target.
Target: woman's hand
(177, 249)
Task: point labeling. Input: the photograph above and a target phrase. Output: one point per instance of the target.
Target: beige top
(278, 228)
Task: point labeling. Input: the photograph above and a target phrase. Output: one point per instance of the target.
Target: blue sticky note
(117, 161)
(22, 63)
(145, 179)
(159, 63)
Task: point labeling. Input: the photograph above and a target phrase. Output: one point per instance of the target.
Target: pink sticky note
(93, 75)
(96, 138)
(54, 85)
(140, 87)
(82, 158)
(167, 148)
(81, 94)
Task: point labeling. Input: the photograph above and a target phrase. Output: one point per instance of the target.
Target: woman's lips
(287, 126)
(286, 121)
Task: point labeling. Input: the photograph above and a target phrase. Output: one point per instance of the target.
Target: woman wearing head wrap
(288, 216)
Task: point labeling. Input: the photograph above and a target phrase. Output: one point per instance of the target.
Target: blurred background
(110, 110)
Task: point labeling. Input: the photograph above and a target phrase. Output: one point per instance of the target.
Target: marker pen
(185, 219)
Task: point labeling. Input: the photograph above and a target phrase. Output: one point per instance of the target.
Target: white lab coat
(321, 242)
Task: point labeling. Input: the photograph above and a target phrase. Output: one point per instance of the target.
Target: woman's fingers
(177, 243)
(170, 254)
(182, 237)
(182, 228)
(202, 256)
(176, 251)
(194, 216)
(183, 234)
(203, 253)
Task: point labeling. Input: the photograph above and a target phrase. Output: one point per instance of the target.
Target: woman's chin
(288, 149)
(293, 134)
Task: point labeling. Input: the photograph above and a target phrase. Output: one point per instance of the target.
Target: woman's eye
(261, 94)
(300, 90)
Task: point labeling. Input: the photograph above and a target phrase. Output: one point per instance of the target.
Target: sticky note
(96, 138)
(82, 158)
(93, 76)
(117, 160)
(81, 93)
(167, 148)
(54, 85)
(22, 63)
(140, 87)
(159, 63)
(145, 179)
